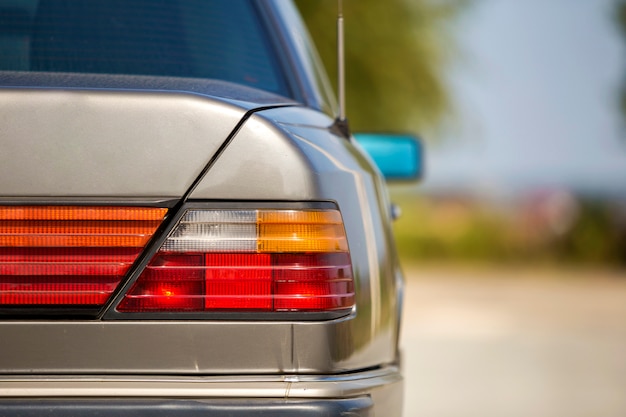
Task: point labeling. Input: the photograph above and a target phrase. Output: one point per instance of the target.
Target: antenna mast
(341, 123)
(341, 76)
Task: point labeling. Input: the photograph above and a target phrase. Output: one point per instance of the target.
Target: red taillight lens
(69, 256)
(240, 281)
(313, 282)
(249, 260)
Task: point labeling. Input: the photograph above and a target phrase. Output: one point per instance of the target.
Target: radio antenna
(341, 123)
(341, 76)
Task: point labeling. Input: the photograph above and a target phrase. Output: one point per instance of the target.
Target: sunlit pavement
(508, 342)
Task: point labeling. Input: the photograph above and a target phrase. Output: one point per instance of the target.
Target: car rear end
(188, 246)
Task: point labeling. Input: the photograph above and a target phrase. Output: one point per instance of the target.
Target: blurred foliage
(599, 235)
(460, 229)
(396, 54)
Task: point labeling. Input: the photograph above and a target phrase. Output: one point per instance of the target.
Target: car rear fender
(302, 160)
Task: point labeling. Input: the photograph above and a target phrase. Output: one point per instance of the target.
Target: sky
(536, 89)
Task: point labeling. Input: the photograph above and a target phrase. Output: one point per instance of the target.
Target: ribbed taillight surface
(69, 256)
(248, 260)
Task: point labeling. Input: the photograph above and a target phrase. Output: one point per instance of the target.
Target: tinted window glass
(182, 38)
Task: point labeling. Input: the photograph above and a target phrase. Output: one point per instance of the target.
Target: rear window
(216, 39)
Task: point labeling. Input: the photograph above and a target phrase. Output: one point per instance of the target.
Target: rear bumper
(369, 393)
(361, 406)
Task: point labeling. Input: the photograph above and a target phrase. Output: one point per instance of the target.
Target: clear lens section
(212, 237)
(248, 260)
(220, 216)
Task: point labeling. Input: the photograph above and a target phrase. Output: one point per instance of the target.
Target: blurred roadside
(543, 227)
(513, 306)
(490, 341)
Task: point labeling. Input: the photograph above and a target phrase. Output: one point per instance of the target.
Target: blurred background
(514, 244)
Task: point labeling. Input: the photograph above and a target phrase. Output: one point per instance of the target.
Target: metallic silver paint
(66, 143)
(146, 347)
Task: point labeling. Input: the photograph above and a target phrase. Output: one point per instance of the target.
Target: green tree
(396, 53)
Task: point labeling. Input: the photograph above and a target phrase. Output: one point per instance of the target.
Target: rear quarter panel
(291, 154)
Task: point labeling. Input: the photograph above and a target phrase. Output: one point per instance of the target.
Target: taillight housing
(269, 260)
(69, 257)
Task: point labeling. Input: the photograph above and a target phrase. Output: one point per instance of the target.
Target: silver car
(185, 228)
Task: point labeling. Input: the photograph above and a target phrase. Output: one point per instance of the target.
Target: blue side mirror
(399, 157)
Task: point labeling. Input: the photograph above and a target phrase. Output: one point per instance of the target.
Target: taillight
(262, 260)
(62, 256)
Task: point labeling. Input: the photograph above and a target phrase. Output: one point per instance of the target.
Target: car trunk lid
(89, 175)
(61, 143)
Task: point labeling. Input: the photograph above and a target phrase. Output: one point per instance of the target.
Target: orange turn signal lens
(300, 231)
(69, 255)
(81, 213)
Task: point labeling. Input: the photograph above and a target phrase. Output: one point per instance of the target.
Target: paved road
(507, 342)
